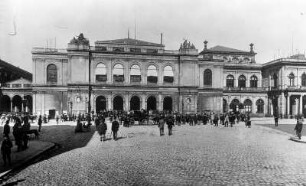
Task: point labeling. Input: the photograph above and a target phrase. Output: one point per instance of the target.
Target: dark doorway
(118, 103)
(235, 105)
(100, 104)
(151, 103)
(135, 103)
(52, 113)
(167, 105)
(224, 106)
(304, 106)
(17, 102)
(5, 104)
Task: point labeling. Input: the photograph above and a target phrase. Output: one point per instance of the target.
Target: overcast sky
(276, 27)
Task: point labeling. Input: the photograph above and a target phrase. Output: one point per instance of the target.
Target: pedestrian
(57, 119)
(115, 128)
(6, 150)
(298, 127)
(170, 125)
(161, 125)
(7, 128)
(276, 120)
(39, 123)
(226, 120)
(17, 132)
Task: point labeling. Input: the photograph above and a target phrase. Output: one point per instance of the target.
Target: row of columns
(284, 103)
(143, 102)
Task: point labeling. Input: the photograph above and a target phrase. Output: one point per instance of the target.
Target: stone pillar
(11, 105)
(301, 104)
(127, 102)
(143, 106)
(254, 109)
(283, 104)
(43, 103)
(109, 101)
(34, 104)
(288, 105)
(159, 105)
(296, 106)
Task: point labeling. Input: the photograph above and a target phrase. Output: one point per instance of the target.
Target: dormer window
(118, 49)
(135, 50)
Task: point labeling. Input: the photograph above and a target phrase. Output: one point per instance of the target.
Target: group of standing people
(101, 127)
(20, 129)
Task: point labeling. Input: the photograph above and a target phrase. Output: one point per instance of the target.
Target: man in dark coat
(298, 127)
(7, 128)
(39, 122)
(115, 128)
(276, 120)
(170, 124)
(161, 125)
(6, 149)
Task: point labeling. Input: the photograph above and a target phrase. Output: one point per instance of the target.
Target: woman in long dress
(298, 127)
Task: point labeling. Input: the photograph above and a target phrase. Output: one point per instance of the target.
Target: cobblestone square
(193, 155)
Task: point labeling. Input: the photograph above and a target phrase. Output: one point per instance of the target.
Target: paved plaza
(193, 155)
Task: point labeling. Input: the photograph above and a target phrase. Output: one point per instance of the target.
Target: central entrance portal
(118, 103)
(100, 104)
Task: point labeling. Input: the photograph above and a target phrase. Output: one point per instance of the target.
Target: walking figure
(39, 123)
(276, 120)
(6, 149)
(161, 125)
(170, 125)
(115, 128)
(298, 127)
(7, 128)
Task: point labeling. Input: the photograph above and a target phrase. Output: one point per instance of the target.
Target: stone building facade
(15, 89)
(286, 82)
(129, 74)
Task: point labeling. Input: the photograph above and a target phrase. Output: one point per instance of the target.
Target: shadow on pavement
(14, 182)
(64, 138)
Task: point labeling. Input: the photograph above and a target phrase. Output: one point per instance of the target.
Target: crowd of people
(20, 132)
(22, 126)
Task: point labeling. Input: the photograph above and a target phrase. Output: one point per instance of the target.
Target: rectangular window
(101, 78)
(16, 85)
(135, 78)
(230, 83)
(136, 50)
(152, 79)
(152, 51)
(168, 79)
(118, 78)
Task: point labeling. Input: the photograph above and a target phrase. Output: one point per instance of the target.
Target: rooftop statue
(187, 45)
(81, 40)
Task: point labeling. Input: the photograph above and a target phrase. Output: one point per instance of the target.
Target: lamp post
(89, 86)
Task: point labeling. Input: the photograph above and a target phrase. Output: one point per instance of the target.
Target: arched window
(291, 79)
(303, 79)
(118, 73)
(253, 81)
(100, 72)
(168, 74)
(247, 105)
(51, 74)
(152, 74)
(260, 106)
(135, 74)
(230, 81)
(241, 81)
(207, 77)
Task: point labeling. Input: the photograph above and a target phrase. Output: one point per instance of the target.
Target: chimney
(161, 38)
(205, 45)
(251, 48)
